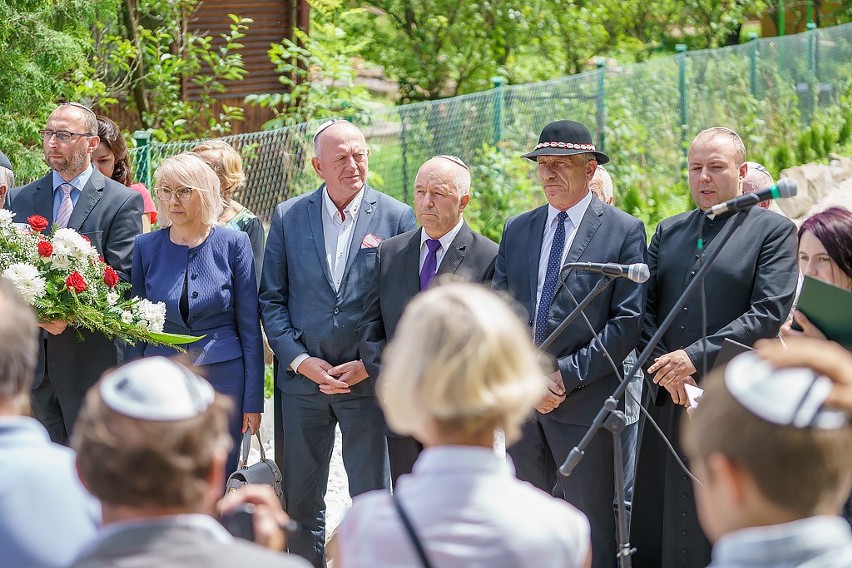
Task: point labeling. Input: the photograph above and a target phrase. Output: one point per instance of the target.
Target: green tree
(148, 56)
(42, 44)
(316, 71)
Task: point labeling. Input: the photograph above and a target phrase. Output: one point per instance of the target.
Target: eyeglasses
(166, 194)
(63, 135)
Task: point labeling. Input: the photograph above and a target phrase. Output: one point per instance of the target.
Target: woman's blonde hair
(461, 362)
(226, 162)
(190, 170)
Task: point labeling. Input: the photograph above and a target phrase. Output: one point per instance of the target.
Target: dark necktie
(430, 265)
(551, 278)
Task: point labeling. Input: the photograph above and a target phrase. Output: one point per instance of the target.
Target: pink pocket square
(370, 241)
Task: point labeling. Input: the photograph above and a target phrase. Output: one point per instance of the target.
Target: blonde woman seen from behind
(461, 367)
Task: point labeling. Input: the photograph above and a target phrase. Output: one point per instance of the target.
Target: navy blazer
(605, 234)
(222, 298)
(302, 313)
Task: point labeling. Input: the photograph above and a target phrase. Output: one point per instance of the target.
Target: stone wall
(820, 186)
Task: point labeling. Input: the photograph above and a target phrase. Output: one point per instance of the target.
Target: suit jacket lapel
(411, 261)
(362, 225)
(455, 254)
(43, 199)
(588, 225)
(315, 214)
(537, 222)
(90, 195)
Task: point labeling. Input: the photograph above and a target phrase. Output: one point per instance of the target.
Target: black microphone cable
(649, 383)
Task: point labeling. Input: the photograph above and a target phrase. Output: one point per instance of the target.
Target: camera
(239, 522)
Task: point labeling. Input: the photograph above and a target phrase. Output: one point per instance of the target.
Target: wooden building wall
(273, 21)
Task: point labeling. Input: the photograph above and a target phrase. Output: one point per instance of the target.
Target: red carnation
(75, 282)
(45, 249)
(110, 277)
(87, 239)
(37, 223)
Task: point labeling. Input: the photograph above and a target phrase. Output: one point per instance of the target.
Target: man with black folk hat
(573, 227)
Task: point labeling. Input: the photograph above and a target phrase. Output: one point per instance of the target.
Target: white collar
(446, 240)
(461, 458)
(575, 213)
(351, 209)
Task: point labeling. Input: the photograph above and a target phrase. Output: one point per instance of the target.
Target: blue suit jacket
(605, 234)
(302, 313)
(222, 301)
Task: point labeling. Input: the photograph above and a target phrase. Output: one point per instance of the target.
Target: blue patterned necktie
(430, 265)
(554, 264)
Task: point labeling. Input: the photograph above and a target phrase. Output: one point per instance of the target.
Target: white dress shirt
(337, 232)
(468, 511)
(337, 229)
(446, 241)
(572, 222)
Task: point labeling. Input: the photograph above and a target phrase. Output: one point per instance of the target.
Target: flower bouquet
(63, 278)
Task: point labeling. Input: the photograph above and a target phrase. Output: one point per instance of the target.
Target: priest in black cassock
(749, 292)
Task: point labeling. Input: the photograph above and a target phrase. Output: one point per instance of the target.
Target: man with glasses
(74, 194)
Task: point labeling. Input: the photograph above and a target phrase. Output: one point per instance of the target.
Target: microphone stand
(599, 287)
(609, 416)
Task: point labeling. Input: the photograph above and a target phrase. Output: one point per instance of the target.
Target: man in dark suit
(317, 270)
(77, 196)
(749, 292)
(409, 262)
(574, 226)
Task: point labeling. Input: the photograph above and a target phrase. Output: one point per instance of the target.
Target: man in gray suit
(157, 414)
(77, 196)
(317, 270)
(408, 263)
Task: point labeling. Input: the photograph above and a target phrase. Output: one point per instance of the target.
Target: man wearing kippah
(151, 442)
(410, 262)
(574, 226)
(317, 269)
(75, 195)
(774, 467)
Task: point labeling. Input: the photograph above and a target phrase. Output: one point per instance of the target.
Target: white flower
(72, 244)
(153, 314)
(26, 279)
(127, 317)
(112, 297)
(6, 217)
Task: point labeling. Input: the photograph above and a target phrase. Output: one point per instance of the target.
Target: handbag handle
(246, 447)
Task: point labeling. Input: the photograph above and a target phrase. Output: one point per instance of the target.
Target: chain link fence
(642, 115)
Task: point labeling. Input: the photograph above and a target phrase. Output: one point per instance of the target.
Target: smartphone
(239, 522)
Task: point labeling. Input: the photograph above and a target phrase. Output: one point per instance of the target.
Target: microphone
(784, 188)
(635, 272)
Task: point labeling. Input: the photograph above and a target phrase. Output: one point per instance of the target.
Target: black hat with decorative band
(565, 138)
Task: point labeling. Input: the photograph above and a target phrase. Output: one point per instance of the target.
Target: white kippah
(156, 389)
(790, 397)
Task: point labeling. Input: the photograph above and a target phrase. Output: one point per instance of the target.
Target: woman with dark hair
(112, 160)
(825, 252)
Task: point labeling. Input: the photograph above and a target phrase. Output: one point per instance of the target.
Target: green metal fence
(770, 90)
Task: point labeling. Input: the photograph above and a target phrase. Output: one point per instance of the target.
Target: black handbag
(264, 472)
